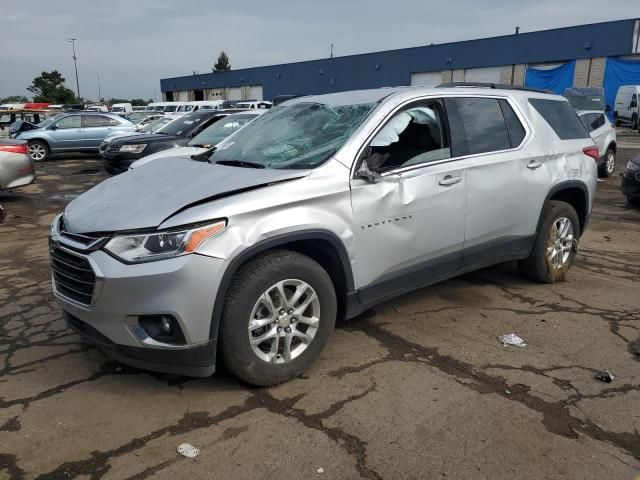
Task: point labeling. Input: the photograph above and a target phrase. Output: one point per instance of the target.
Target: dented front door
(409, 227)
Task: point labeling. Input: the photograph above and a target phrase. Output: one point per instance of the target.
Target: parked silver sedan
(16, 166)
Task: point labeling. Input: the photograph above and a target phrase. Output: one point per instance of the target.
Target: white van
(121, 108)
(199, 105)
(626, 110)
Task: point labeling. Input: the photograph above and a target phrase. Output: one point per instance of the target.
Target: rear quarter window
(561, 117)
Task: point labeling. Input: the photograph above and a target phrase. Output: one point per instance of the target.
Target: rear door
(409, 225)
(96, 128)
(503, 179)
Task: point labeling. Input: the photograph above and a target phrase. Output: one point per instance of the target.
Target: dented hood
(145, 197)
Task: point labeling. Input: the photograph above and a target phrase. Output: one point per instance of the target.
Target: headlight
(633, 167)
(148, 247)
(133, 148)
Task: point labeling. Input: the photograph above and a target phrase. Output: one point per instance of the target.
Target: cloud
(134, 44)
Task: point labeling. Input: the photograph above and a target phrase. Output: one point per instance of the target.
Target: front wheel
(609, 164)
(555, 244)
(634, 122)
(278, 315)
(633, 200)
(38, 151)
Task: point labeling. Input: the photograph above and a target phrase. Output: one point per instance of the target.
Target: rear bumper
(196, 361)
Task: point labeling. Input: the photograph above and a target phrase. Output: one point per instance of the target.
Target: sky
(133, 44)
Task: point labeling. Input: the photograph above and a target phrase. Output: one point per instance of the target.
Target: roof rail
(492, 85)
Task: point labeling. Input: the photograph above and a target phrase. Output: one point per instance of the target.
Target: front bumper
(630, 184)
(183, 287)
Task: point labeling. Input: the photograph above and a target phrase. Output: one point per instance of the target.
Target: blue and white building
(600, 54)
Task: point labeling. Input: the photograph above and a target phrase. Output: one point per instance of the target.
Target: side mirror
(53, 127)
(366, 174)
(607, 108)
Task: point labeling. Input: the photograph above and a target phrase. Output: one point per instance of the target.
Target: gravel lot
(418, 388)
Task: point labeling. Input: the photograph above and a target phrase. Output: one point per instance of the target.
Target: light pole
(99, 93)
(72, 41)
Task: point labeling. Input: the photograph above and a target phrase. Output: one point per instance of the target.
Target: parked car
(604, 134)
(249, 105)
(121, 108)
(631, 181)
(152, 127)
(73, 132)
(97, 108)
(16, 166)
(627, 110)
(122, 152)
(138, 117)
(321, 207)
(586, 98)
(206, 139)
(13, 121)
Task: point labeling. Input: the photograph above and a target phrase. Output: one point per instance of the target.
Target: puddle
(67, 197)
(88, 171)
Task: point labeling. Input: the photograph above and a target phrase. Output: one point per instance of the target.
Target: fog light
(162, 328)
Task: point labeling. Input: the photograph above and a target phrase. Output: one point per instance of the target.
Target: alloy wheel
(284, 321)
(560, 243)
(611, 162)
(37, 151)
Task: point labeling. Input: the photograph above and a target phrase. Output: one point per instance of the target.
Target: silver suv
(320, 208)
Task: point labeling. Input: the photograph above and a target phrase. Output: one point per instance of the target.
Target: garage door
(482, 75)
(235, 93)
(256, 92)
(426, 78)
(183, 96)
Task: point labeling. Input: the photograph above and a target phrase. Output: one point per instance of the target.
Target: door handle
(449, 180)
(533, 165)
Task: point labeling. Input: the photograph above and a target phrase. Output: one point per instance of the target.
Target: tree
(222, 65)
(15, 99)
(138, 102)
(49, 87)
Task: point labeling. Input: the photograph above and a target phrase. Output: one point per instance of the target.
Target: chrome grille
(110, 151)
(73, 276)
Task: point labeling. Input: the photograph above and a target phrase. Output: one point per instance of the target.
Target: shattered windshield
(303, 135)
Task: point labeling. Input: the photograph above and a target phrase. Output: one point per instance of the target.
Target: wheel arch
(576, 194)
(613, 145)
(39, 139)
(323, 246)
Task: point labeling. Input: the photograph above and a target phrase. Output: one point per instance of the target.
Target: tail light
(592, 152)
(14, 148)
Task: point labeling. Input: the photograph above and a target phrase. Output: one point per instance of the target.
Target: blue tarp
(617, 73)
(554, 79)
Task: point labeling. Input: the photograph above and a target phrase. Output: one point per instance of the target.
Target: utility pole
(99, 93)
(332, 50)
(72, 41)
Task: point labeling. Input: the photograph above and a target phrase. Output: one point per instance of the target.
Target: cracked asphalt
(418, 388)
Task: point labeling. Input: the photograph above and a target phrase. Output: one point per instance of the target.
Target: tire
(633, 200)
(609, 165)
(539, 266)
(634, 122)
(38, 150)
(246, 302)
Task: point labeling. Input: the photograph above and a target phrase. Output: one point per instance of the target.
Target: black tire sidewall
(256, 277)
(603, 172)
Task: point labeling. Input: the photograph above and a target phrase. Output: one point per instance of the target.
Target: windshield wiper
(239, 163)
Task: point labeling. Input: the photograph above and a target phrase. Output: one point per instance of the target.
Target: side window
(634, 101)
(95, 121)
(561, 117)
(477, 126)
(586, 121)
(413, 136)
(73, 121)
(110, 122)
(597, 121)
(515, 128)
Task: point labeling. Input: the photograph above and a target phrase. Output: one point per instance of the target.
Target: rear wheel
(633, 200)
(38, 151)
(555, 245)
(279, 313)
(609, 164)
(634, 122)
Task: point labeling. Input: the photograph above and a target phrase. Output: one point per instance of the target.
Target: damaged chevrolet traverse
(322, 207)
